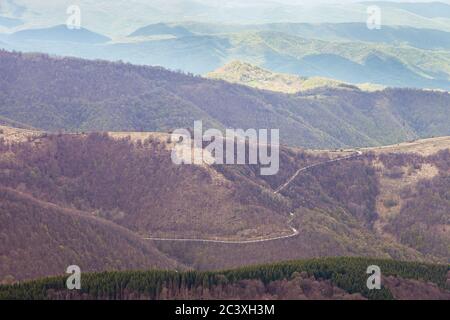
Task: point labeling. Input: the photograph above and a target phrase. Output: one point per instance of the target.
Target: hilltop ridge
(256, 77)
(84, 95)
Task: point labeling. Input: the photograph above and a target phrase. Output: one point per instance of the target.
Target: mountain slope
(375, 205)
(367, 205)
(135, 188)
(40, 239)
(73, 94)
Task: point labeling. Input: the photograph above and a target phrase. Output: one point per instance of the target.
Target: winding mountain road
(283, 186)
(294, 233)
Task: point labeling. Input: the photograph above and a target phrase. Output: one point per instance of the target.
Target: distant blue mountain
(60, 33)
(352, 31)
(347, 52)
(423, 38)
(162, 29)
(419, 38)
(197, 54)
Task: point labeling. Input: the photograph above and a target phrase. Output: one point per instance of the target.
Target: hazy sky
(120, 17)
(300, 2)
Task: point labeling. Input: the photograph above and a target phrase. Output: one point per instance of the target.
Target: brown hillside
(40, 239)
(381, 203)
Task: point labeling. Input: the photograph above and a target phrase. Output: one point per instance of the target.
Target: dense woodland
(40, 239)
(341, 278)
(134, 188)
(424, 218)
(80, 95)
(137, 186)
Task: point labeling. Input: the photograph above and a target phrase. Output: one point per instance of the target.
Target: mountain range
(108, 16)
(80, 95)
(59, 34)
(68, 198)
(89, 175)
(398, 56)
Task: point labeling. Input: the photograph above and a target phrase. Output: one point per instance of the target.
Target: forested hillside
(209, 149)
(39, 238)
(341, 278)
(137, 186)
(367, 205)
(75, 95)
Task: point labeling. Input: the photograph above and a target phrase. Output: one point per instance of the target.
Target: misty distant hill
(424, 38)
(162, 29)
(60, 33)
(345, 52)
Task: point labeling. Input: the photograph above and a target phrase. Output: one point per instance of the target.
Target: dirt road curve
(279, 189)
